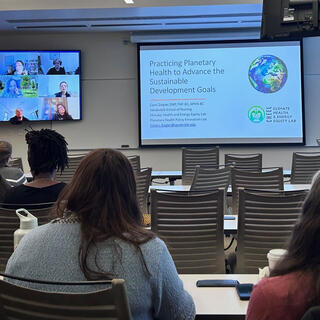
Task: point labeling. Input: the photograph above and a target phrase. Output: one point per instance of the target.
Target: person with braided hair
(47, 153)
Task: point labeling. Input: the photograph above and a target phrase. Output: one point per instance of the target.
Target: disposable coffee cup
(274, 256)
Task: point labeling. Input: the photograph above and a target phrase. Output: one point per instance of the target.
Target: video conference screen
(39, 85)
(221, 93)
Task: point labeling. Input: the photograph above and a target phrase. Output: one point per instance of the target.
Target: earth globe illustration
(268, 74)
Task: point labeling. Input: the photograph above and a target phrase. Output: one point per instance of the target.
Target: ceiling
(115, 15)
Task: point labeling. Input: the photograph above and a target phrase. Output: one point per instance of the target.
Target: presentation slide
(226, 93)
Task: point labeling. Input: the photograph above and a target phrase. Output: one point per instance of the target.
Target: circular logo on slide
(268, 74)
(256, 114)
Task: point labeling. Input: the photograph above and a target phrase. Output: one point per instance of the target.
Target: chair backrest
(191, 224)
(16, 162)
(209, 179)
(312, 314)
(135, 162)
(268, 180)
(265, 222)
(304, 166)
(9, 223)
(23, 303)
(244, 161)
(67, 173)
(206, 158)
(4, 188)
(143, 181)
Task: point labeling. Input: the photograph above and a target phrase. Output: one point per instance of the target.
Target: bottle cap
(27, 220)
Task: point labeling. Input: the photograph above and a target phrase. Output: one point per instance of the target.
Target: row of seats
(304, 164)
(208, 179)
(192, 225)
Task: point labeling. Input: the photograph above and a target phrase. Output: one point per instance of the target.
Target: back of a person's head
(47, 151)
(5, 152)
(308, 226)
(304, 245)
(103, 193)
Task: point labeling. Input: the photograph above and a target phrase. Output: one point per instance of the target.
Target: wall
(110, 99)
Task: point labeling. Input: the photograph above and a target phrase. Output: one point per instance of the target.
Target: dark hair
(304, 245)
(63, 82)
(47, 151)
(102, 194)
(8, 84)
(66, 113)
(57, 59)
(20, 62)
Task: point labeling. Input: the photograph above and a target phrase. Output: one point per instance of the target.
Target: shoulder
(13, 175)
(45, 239)
(58, 187)
(14, 194)
(273, 297)
(49, 231)
(280, 285)
(158, 257)
(154, 246)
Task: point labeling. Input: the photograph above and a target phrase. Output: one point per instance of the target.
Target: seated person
(47, 152)
(19, 68)
(61, 113)
(294, 285)
(4, 188)
(57, 69)
(99, 234)
(14, 176)
(63, 90)
(11, 89)
(18, 118)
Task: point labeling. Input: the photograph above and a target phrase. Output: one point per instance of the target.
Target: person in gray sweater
(99, 234)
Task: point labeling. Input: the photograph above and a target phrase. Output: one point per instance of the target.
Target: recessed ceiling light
(129, 1)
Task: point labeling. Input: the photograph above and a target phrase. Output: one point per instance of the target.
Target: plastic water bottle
(27, 223)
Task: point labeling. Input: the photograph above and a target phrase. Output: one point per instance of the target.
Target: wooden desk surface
(220, 302)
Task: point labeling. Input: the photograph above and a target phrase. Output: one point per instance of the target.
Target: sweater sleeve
(258, 305)
(171, 301)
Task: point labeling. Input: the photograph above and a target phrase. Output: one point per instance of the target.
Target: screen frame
(253, 144)
(80, 82)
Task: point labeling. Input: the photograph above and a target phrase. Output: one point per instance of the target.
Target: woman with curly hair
(47, 153)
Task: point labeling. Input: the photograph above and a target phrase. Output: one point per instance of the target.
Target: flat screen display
(39, 85)
(221, 93)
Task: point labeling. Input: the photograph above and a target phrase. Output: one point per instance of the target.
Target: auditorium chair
(270, 179)
(244, 161)
(192, 157)
(143, 181)
(16, 162)
(304, 166)
(19, 303)
(67, 174)
(9, 223)
(266, 220)
(135, 162)
(191, 224)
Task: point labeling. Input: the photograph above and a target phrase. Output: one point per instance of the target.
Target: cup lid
(277, 252)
